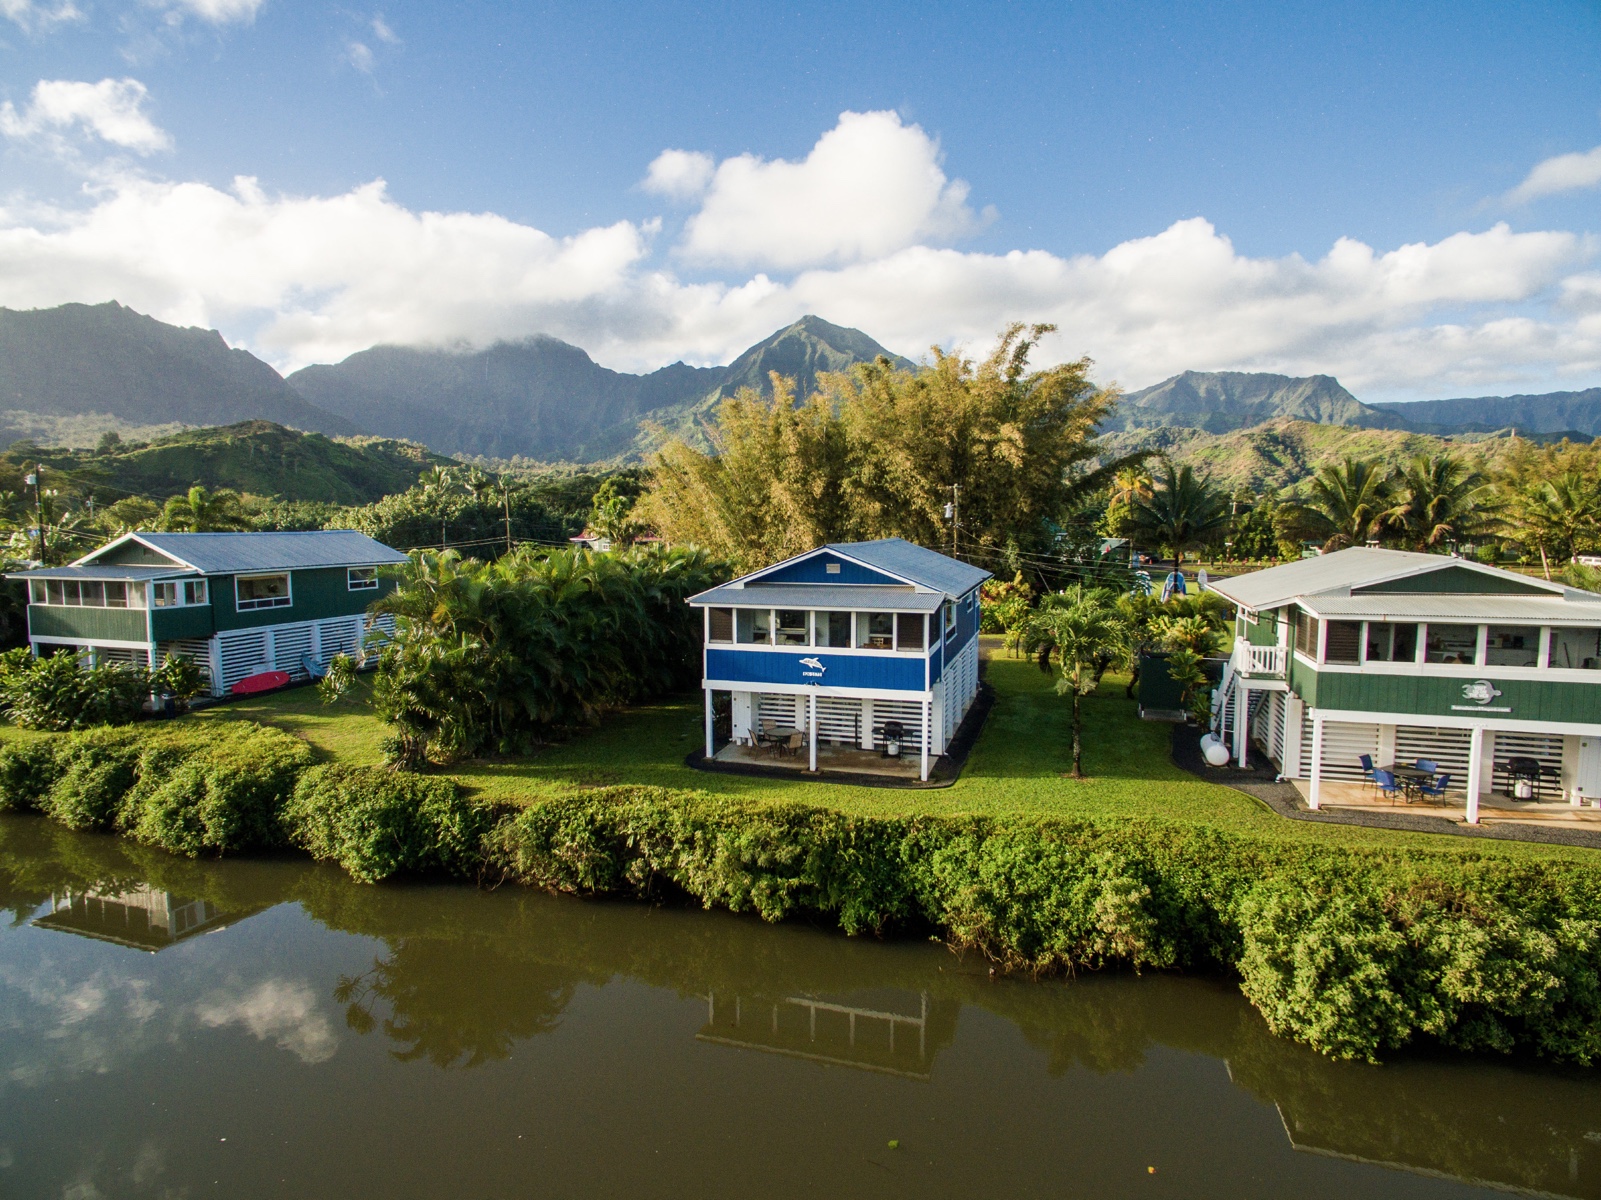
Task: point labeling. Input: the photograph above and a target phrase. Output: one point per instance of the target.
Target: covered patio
(1494, 808)
(830, 758)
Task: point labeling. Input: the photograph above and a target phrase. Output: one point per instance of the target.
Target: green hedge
(1355, 952)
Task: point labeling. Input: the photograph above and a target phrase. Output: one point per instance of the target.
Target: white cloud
(869, 187)
(213, 12)
(284, 1010)
(680, 174)
(32, 17)
(111, 110)
(1564, 173)
(382, 31)
(359, 55)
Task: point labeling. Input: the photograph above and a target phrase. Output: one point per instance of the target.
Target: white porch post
(928, 707)
(811, 727)
(1475, 773)
(710, 749)
(1242, 708)
(1315, 779)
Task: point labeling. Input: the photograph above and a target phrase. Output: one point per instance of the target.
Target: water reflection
(666, 1032)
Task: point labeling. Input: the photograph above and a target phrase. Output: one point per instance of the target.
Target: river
(269, 1028)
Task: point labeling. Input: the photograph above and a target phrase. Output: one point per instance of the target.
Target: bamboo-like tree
(201, 510)
(1439, 501)
(1345, 505)
(1555, 517)
(1086, 630)
(1183, 512)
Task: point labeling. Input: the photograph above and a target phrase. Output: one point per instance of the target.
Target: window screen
(720, 624)
(1342, 642)
(909, 631)
(1452, 644)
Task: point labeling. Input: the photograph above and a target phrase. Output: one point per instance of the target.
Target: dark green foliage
(56, 693)
(375, 823)
(27, 769)
(93, 772)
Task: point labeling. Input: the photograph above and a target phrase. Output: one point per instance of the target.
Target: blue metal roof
(822, 596)
(924, 567)
(92, 572)
(232, 553)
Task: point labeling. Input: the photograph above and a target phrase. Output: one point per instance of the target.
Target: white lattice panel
(244, 652)
(1544, 748)
(196, 650)
(1447, 747)
(290, 645)
(341, 635)
(839, 720)
(908, 713)
(781, 709)
(1342, 743)
(122, 654)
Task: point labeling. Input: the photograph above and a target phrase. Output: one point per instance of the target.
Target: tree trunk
(1545, 563)
(1078, 746)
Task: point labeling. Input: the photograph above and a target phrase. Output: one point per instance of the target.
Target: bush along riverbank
(1356, 952)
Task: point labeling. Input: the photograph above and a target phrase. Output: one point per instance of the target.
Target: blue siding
(895, 672)
(814, 570)
(936, 666)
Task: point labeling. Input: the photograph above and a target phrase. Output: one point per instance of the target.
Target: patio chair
(1435, 789)
(792, 744)
(1385, 782)
(764, 733)
(1367, 768)
(1429, 765)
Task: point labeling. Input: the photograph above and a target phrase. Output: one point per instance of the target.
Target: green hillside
(258, 458)
(1283, 452)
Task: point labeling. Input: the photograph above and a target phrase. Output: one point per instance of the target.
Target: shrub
(27, 769)
(376, 823)
(56, 693)
(93, 771)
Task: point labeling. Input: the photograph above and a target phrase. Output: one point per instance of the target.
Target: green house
(1401, 656)
(234, 603)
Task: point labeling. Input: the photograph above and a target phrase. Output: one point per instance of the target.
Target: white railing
(1258, 660)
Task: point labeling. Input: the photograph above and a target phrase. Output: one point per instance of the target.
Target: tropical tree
(1086, 631)
(1184, 511)
(611, 514)
(1440, 501)
(1345, 505)
(204, 511)
(1555, 517)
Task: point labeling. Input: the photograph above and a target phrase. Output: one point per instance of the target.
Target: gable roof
(1358, 567)
(910, 563)
(822, 595)
(232, 553)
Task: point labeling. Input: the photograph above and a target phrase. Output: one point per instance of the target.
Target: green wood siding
(1529, 700)
(87, 624)
(1454, 581)
(1266, 630)
(1303, 679)
(316, 594)
(190, 622)
(132, 554)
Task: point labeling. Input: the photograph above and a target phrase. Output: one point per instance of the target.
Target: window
(136, 595)
(875, 631)
(833, 629)
(87, 593)
(261, 591)
(950, 620)
(1392, 643)
(116, 594)
(70, 592)
(39, 593)
(1452, 644)
(361, 579)
(908, 631)
(165, 595)
(195, 592)
(792, 627)
(1343, 640)
(1306, 633)
(830, 568)
(54, 592)
(753, 626)
(720, 624)
(1576, 649)
(1513, 646)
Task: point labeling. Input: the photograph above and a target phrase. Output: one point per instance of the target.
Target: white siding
(839, 720)
(1447, 747)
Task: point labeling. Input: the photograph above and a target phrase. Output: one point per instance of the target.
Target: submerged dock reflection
(141, 917)
(836, 1034)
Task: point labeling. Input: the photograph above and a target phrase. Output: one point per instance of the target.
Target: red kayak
(265, 681)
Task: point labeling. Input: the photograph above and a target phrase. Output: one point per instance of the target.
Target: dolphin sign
(816, 667)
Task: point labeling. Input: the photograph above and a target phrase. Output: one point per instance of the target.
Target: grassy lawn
(1018, 767)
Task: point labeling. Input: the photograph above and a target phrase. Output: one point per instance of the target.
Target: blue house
(841, 645)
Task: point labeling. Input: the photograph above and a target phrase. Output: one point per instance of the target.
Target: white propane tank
(1213, 750)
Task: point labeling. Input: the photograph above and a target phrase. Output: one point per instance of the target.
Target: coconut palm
(1555, 517)
(204, 511)
(1086, 630)
(1440, 501)
(1345, 505)
(1183, 512)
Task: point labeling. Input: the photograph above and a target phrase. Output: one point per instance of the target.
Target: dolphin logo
(815, 664)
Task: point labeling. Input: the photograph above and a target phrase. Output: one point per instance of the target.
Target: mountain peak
(1223, 401)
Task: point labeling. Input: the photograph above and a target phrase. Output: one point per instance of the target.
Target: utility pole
(953, 514)
(32, 477)
(505, 498)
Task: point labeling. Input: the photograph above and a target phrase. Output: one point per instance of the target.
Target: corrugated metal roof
(1436, 607)
(101, 573)
(928, 568)
(1356, 566)
(228, 553)
(822, 595)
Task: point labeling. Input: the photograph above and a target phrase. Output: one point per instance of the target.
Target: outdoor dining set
(1423, 780)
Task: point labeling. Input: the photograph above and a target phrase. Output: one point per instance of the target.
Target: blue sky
(1180, 175)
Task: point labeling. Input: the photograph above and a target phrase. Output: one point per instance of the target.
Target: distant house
(844, 643)
(234, 603)
(1402, 656)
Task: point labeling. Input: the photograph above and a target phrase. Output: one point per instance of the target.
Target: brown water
(241, 1029)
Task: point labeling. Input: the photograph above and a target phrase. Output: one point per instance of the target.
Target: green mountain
(108, 360)
(1578, 413)
(256, 457)
(544, 399)
(1222, 401)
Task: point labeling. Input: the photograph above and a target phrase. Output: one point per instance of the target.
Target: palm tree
(1086, 630)
(203, 511)
(1345, 504)
(1183, 511)
(1442, 501)
(1557, 517)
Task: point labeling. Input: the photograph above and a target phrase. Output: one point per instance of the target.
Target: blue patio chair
(1367, 768)
(1429, 765)
(1437, 788)
(1386, 784)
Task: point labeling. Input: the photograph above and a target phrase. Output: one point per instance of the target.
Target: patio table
(1410, 777)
